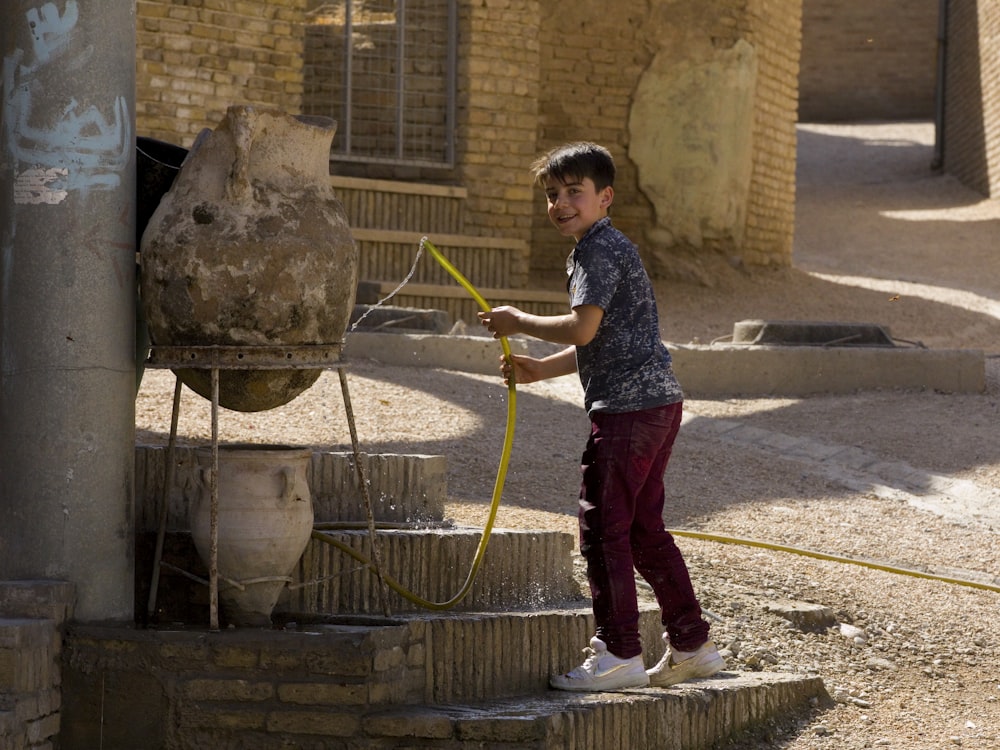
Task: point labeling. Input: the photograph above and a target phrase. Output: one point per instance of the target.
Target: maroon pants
(621, 528)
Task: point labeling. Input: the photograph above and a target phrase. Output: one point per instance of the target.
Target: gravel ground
(911, 661)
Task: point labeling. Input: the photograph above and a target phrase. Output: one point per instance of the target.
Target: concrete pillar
(67, 296)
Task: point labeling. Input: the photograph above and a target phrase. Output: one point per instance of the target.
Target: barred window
(385, 70)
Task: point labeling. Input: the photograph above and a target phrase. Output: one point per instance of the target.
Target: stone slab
(713, 371)
(720, 370)
(699, 714)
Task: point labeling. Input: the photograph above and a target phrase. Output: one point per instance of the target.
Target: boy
(634, 402)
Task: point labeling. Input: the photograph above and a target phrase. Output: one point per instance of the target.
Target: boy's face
(576, 205)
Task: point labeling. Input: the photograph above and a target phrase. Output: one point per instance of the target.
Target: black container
(156, 165)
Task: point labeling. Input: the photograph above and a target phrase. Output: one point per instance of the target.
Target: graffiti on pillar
(64, 146)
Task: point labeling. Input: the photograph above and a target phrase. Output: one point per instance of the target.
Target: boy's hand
(525, 369)
(501, 321)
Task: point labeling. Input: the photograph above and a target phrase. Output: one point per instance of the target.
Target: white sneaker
(704, 662)
(602, 670)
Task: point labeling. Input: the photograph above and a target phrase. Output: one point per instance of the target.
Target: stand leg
(168, 482)
(363, 481)
(213, 548)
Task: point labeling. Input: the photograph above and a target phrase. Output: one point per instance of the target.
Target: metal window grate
(385, 70)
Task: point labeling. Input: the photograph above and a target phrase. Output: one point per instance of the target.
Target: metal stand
(216, 358)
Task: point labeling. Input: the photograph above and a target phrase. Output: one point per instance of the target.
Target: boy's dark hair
(574, 161)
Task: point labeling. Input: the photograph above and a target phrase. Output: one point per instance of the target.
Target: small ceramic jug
(265, 520)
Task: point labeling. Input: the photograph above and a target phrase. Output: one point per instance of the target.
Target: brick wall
(589, 69)
(528, 79)
(868, 59)
(972, 96)
(32, 617)
(499, 87)
(589, 78)
(773, 28)
(196, 57)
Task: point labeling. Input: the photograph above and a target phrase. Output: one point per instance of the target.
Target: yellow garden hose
(501, 477)
(502, 474)
(834, 558)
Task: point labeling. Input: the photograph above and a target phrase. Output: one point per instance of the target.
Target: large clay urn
(250, 247)
(265, 520)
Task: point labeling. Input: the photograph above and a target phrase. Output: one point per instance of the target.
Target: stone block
(235, 690)
(43, 729)
(323, 694)
(409, 723)
(804, 615)
(38, 599)
(503, 729)
(235, 657)
(727, 370)
(324, 723)
(229, 720)
(113, 707)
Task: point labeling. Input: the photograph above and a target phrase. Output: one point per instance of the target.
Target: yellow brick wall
(528, 78)
(194, 58)
(590, 72)
(772, 26)
(590, 65)
(972, 95)
(499, 88)
(868, 59)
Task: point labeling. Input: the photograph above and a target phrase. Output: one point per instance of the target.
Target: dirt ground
(908, 480)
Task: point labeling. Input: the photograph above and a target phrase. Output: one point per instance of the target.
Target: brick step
(440, 681)
(695, 715)
(491, 655)
(457, 658)
(519, 570)
(417, 484)
(432, 559)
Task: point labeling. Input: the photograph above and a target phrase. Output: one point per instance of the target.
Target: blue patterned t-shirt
(626, 366)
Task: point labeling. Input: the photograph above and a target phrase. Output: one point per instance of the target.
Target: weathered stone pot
(250, 247)
(265, 520)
